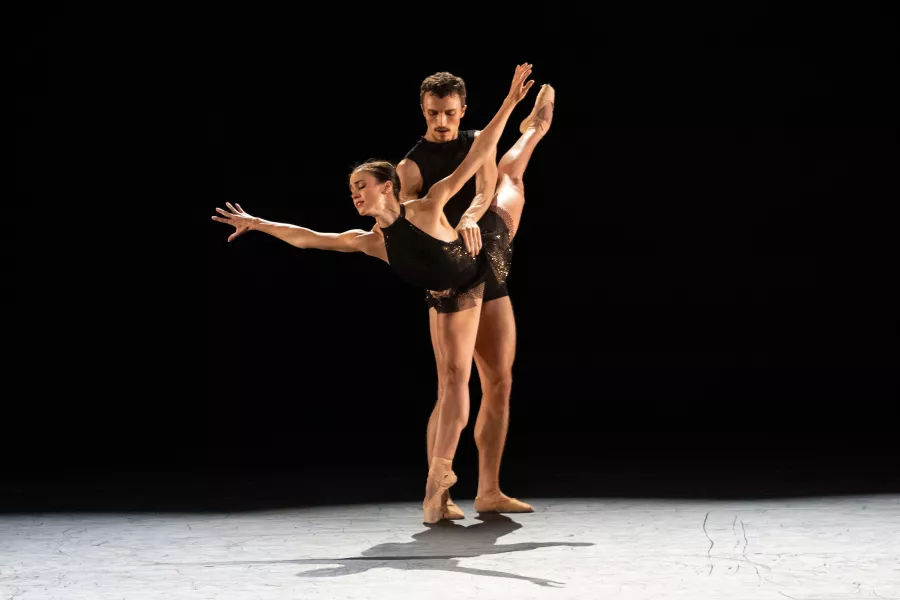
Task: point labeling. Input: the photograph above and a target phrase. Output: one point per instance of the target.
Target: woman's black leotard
(455, 277)
(497, 246)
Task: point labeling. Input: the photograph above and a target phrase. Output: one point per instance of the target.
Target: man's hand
(471, 234)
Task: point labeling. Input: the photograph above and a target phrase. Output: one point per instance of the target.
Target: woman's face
(367, 194)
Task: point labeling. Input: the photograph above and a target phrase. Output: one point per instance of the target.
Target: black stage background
(706, 252)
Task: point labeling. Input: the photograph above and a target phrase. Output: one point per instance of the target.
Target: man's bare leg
(495, 345)
(495, 350)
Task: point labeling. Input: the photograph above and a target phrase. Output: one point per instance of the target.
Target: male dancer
(442, 99)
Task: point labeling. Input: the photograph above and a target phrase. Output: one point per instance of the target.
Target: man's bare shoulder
(410, 179)
(408, 167)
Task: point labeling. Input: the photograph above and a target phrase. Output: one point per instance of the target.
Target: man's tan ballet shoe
(542, 113)
(451, 510)
(498, 502)
(442, 476)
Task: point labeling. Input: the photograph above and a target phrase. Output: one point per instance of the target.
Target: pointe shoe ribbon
(498, 502)
(443, 476)
(539, 118)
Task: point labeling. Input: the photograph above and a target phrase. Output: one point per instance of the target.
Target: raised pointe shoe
(498, 502)
(451, 511)
(442, 476)
(542, 113)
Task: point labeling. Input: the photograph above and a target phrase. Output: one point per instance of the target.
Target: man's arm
(410, 179)
(485, 184)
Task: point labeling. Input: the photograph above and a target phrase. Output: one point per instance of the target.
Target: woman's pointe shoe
(451, 510)
(542, 113)
(498, 502)
(440, 478)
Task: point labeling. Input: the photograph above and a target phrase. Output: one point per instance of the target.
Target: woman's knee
(455, 374)
(510, 179)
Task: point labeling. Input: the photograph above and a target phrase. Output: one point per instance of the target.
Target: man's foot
(499, 502)
(542, 113)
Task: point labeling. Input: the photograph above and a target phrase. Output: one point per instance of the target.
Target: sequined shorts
(496, 255)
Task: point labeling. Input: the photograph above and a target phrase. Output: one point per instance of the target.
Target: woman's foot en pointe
(451, 511)
(440, 478)
(542, 113)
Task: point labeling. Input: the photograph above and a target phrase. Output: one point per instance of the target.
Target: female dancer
(417, 241)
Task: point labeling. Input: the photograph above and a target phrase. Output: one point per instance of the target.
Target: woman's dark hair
(383, 171)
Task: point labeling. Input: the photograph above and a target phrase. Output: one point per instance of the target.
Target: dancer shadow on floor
(438, 548)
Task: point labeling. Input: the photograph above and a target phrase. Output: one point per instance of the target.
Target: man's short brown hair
(443, 84)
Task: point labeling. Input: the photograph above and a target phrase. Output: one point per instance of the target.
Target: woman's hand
(519, 88)
(237, 218)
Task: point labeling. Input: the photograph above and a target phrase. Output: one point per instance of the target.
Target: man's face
(442, 116)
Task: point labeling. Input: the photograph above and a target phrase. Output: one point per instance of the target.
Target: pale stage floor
(802, 548)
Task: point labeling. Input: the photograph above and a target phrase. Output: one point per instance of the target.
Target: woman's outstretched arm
(354, 240)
